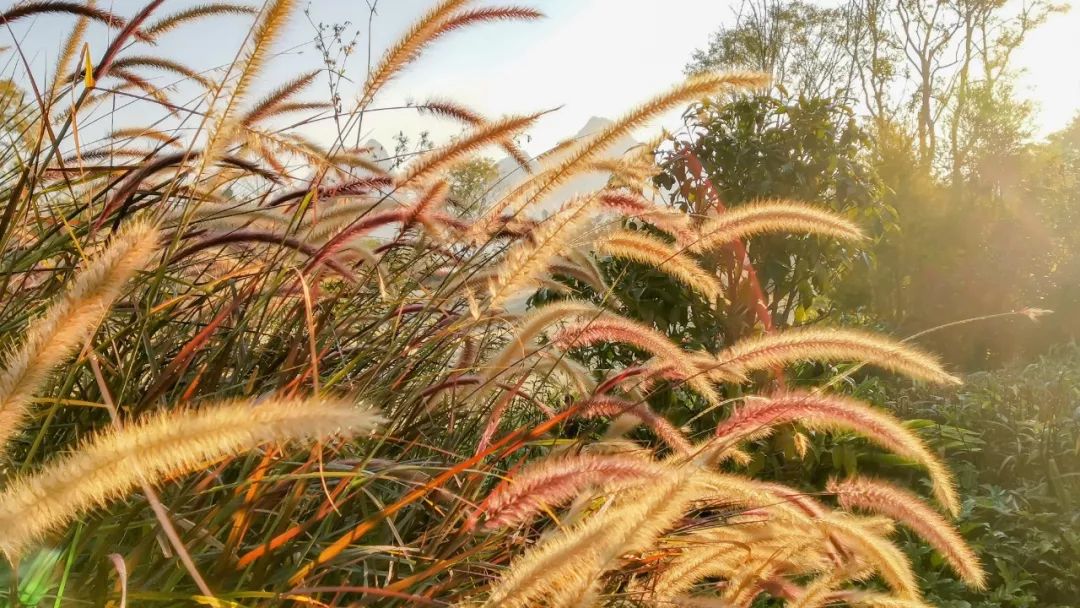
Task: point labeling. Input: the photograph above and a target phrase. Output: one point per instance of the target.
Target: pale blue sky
(593, 57)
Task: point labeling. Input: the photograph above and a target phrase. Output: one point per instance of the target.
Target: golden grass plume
(564, 569)
(157, 448)
(832, 344)
(202, 11)
(834, 412)
(652, 251)
(69, 321)
(773, 216)
(906, 508)
(526, 329)
(693, 88)
(525, 261)
(577, 156)
(615, 328)
(551, 482)
(440, 20)
(456, 111)
(494, 132)
(877, 552)
(272, 102)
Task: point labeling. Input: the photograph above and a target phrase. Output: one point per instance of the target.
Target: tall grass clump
(245, 366)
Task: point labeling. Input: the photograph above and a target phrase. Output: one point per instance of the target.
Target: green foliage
(761, 146)
(1013, 438)
(471, 181)
(802, 44)
(980, 215)
(1002, 237)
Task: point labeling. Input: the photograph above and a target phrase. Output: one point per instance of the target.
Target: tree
(912, 63)
(802, 45)
(470, 182)
(763, 147)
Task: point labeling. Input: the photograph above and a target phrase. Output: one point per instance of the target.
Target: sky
(587, 58)
(602, 57)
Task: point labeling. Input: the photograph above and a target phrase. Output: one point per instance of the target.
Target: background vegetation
(903, 116)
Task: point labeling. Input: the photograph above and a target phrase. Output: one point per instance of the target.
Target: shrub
(1012, 436)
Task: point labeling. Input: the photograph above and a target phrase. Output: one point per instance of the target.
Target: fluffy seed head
(773, 216)
(564, 569)
(69, 321)
(830, 413)
(877, 552)
(163, 446)
(554, 481)
(532, 325)
(613, 406)
(481, 136)
(692, 89)
(906, 508)
(649, 250)
(525, 261)
(619, 329)
(817, 344)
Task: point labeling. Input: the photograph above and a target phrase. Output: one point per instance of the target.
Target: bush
(1013, 437)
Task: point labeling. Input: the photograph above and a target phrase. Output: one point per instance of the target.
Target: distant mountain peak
(594, 125)
(377, 153)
